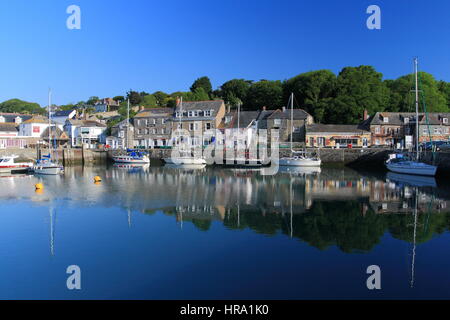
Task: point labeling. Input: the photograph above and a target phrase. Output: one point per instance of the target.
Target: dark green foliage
(19, 106)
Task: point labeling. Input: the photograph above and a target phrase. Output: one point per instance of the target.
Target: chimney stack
(284, 109)
(365, 115)
(264, 108)
(178, 101)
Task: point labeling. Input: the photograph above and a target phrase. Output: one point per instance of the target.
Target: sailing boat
(400, 164)
(298, 158)
(47, 165)
(132, 157)
(185, 157)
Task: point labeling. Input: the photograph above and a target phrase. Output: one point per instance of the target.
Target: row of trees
(330, 98)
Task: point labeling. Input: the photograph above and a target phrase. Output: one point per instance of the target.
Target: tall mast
(128, 122)
(292, 120)
(49, 120)
(417, 107)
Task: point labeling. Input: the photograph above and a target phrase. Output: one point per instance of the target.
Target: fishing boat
(8, 164)
(401, 163)
(298, 158)
(47, 165)
(184, 157)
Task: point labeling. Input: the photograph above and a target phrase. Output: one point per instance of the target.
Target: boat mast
(128, 123)
(49, 121)
(292, 121)
(417, 108)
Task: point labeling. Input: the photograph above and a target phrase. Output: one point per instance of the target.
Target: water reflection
(328, 207)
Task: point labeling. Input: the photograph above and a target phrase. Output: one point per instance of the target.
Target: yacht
(8, 164)
(400, 163)
(47, 165)
(184, 157)
(298, 158)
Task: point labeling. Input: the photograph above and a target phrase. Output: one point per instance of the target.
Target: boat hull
(299, 162)
(15, 169)
(130, 160)
(185, 161)
(422, 169)
(48, 170)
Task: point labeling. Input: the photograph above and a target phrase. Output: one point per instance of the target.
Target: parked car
(437, 145)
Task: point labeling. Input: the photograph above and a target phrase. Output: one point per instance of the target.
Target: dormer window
(208, 113)
(386, 119)
(179, 114)
(406, 120)
(190, 113)
(18, 120)
(445, 120)
(228, 119)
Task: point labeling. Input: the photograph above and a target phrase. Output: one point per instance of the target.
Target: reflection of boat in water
(299, 170)
(132, 167)
(412, 180)
(184, 166)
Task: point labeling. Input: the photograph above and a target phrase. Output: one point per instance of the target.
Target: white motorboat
(8, 164)
(132, 158)
(302, 158)
(401, 164)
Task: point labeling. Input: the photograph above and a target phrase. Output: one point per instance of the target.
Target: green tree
(92, 100)
(264, 93)
(161, 98)
(149, 101)
(357, 88)
(202, 82)
(234, 90)
(20, 106)
(402, 95)
(135, 97)
(444, 88)
(313, 90)
(119, 98)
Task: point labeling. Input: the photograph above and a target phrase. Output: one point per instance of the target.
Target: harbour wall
(65, 156)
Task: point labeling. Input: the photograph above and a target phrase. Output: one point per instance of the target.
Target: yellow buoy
(97, 179)
(39, 186)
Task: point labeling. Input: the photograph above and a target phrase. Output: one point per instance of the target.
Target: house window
(163, 131)
(377, 141)
(207, 113)
(406, 120)
(193, 126)
(424, 131)
(437, 131)
(179, 126)
(153, 131)
(228, 119)
(178, 114)
(2, 119)
(153, 121)
(207, 126)
(445, 120)
(18, 120)
(190, 113)
(386, 119)
(377, 130)
(277, 122)
(146, 131)
(163, 121)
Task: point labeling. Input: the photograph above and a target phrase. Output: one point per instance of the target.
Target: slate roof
(11, 117)
(86, 123)
(201, 105)
(8, 127)
(63, 113)
(335, 128)
(398, 118)
(298, 114)
(245, 119)
(155, 112)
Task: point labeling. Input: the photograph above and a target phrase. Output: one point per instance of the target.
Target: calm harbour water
(171, 233)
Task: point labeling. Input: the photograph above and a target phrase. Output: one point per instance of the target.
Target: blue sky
(166, 45)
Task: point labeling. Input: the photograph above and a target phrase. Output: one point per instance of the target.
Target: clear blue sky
(165, 45)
